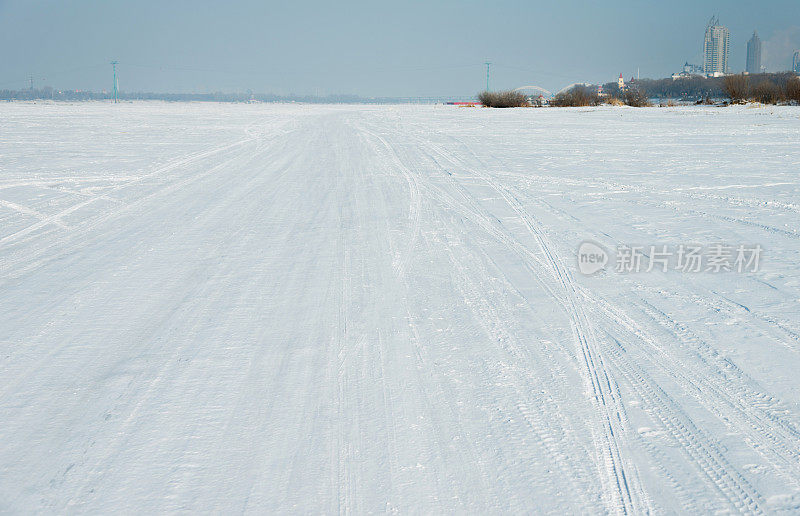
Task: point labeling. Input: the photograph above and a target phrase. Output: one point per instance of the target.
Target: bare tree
(737, 87)
(575, 97)
(767, 92)
(635, 98)
(503, 99)
(792, 89)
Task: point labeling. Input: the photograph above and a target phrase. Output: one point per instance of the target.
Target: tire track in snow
(623, 489)
(56, 218)
(23, 264)
(717, 384)
(734, 487)
(57, 349)
(176, 308)
(780, 451)
(401, 262)
(33, 213)
(781, 329)
(384, 149)
(544, 419)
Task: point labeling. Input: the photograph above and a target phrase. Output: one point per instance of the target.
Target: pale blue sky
(370, 48)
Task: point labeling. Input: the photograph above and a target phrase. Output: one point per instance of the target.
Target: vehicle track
(623, 490)
(732, 485)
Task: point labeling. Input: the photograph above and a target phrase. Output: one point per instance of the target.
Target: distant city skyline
(716, 48)
(365, 48)
(753, 54)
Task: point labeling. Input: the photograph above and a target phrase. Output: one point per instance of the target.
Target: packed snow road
(320, 309)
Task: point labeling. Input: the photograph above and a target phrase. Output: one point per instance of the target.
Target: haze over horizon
(370, 48)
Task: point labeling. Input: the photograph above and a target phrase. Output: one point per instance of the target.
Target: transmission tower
(114, 65)
(487, 74)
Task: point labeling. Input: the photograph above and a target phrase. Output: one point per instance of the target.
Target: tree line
(697, 88)
(763, 88)
(49, 93)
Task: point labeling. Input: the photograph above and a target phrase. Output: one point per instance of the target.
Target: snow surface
(319, 309)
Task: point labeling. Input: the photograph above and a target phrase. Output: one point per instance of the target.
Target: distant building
(716, 48)
(692, 69)
(796, 61)
(754, 54)
(689, 70)
(621, 83)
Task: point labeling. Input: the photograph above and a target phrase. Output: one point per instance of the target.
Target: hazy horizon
(370, 49)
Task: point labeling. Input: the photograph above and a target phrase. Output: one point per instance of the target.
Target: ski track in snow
(359, 309)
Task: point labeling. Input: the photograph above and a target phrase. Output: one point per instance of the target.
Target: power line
(537, 72)
(251, 74)
(37, 77)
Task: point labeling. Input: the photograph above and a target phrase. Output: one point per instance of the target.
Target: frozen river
(321, 309)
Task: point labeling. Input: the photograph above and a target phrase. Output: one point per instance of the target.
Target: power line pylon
(114, 65)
